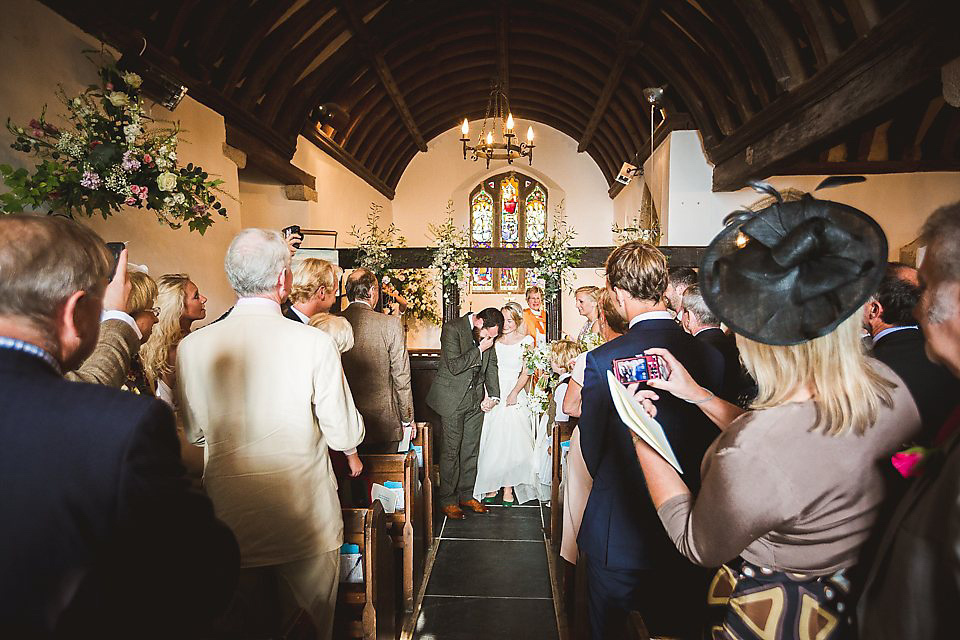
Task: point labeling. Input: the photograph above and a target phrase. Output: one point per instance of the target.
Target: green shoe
(490, 500)
(508, 503)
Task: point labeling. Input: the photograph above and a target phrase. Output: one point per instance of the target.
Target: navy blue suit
(102, 535)
(621, 535)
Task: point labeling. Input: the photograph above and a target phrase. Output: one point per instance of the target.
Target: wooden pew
(425, 439)
(405, 527)
(561, 432)
(368, 610)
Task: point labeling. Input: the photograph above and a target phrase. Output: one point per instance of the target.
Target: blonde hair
(337, 327)
(311, 274)
(143, 292)
(155, 352)
(593, 292)
(847, 391)
(517, 315)
(562, 354)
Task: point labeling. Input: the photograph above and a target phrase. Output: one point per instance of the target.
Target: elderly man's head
(53, 273)
(258, 265)
(939, 275)
(362, 285)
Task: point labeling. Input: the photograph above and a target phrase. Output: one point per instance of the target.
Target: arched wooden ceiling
(404, 71)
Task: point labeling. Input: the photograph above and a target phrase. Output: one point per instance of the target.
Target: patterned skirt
(749, 602)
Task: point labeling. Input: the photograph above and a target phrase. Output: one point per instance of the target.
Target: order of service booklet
(640, 422)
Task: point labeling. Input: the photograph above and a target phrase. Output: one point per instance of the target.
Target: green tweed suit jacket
(461, 363)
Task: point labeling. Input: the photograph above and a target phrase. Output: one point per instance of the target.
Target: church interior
(511, 120)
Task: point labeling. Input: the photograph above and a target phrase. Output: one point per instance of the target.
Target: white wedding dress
(506, 442)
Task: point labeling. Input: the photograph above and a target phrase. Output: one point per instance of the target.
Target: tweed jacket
(109, 363)
(378, 369)
(270, 397)
(463, 370)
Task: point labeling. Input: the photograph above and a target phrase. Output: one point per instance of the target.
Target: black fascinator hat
(793, 271)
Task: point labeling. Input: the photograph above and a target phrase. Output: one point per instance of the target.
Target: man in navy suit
(101, 535)
(631, 564)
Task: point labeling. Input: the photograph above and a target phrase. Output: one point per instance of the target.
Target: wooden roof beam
(625, 50)
(503, 51)
(899, 54)
(379, 64)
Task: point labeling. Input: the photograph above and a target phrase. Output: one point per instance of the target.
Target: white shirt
(258, 302)
(890, 330)
(652, 315)
(126, 317)
(301, 315)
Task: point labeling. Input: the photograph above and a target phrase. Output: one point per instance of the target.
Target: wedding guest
(698, 320)
(790, 489)
(578, 481)
(337, 327)
(379, 364)
(271, 397)
(587, 298)
(911, 590)
(679, 279)
(897, 341)
(535, 315)
(631, 564)
(101, 531)
(314, 289)
(180, 305)
(505, 459)
(140, 306)
(563, 354)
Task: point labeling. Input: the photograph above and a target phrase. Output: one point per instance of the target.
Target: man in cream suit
(270, 397)
(379, 362)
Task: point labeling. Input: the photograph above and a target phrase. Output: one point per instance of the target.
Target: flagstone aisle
(490, 579)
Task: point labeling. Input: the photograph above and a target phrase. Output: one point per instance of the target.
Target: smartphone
(639, 368)
(115, 249)
(293, 230)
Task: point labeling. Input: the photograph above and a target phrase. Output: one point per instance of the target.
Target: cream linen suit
(270, 396)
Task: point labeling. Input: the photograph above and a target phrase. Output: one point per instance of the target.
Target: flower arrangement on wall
(450, 256)
(536, 360)
(110, 155)
(373, 243)
(556, 257)
(417, 287)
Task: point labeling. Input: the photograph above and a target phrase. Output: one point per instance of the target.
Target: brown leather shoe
(453, 512)
(473, 505)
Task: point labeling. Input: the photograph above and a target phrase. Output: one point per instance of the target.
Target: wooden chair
(425, 439)
(405, 527)
(368, 610)
(561, 432)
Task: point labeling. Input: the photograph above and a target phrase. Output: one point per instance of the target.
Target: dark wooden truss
(774, 86)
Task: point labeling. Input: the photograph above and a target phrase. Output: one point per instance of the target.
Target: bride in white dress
(506, 442)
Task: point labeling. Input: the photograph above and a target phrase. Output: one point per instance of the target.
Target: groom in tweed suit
(468, 364)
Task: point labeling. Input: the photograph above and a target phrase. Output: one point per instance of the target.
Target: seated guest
(898, 343)
(631, 564)
(679, 278)
(578, 482)
(314, 289)
(140, 306)
(337, 327)
(378, 364)
(912, 588)
(100, 529)
(699, 321)
(791, 489)
(270, 396)
(180, 305)
(535, 316)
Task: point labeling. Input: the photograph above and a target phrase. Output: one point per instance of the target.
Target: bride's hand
(679, 381)
(511, 399)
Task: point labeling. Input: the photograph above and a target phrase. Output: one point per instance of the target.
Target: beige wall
(442, 174)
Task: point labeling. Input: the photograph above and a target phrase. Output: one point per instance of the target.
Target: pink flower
(37, 133)
(130, 201)
(147, 158)
(109, 86)
(35, 124)
(909, 463)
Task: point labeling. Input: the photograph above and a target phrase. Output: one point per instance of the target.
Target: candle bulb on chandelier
(465, 129)
(489, 138)
(509, 123)
(529, 134)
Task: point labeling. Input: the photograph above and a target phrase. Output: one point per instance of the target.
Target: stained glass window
(507, 210)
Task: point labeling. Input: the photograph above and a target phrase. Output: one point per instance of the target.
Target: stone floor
(490, 579)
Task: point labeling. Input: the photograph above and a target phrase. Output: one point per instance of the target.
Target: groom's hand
(486, 343)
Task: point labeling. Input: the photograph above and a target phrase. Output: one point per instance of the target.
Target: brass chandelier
(490, 147)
